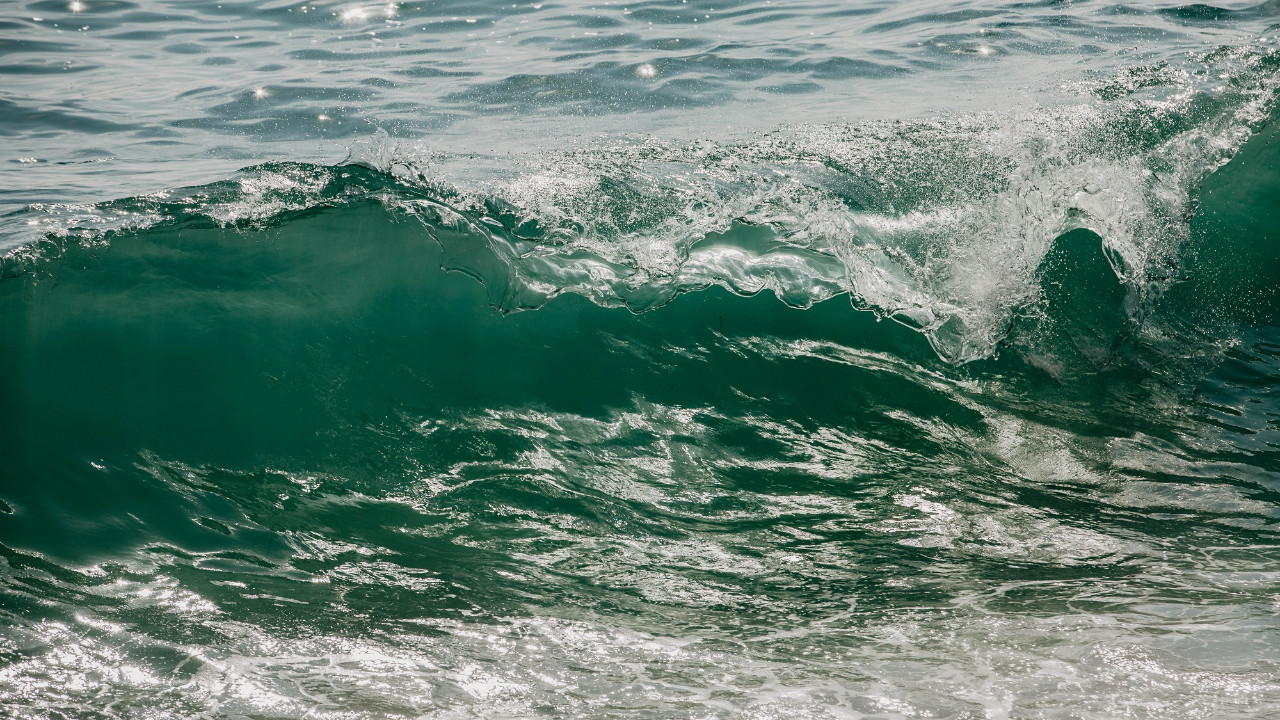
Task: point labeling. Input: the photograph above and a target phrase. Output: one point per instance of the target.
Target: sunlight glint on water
(662, 359)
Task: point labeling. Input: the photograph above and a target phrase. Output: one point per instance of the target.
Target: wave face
(576, 385)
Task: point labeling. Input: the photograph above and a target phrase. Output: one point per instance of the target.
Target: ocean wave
(943, 225)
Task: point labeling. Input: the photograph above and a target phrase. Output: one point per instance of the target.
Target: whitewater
(657, 359)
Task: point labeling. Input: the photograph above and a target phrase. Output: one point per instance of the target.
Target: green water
(547, 394)
(301, 466)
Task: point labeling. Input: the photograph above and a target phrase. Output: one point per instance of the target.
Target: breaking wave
(943, 224)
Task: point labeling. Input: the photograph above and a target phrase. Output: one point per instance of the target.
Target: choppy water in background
(656, 359)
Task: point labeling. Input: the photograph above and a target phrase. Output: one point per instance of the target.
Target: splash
(940, 224)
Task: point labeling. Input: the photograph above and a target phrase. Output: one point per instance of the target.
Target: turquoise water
(656, 359)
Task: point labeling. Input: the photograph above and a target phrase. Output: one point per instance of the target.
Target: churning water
(655, 359)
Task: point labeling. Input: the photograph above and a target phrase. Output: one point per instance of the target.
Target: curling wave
(943, 225)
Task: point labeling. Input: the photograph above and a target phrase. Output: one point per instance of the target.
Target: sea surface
(660, 359)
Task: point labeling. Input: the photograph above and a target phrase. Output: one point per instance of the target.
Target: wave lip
(941, 224)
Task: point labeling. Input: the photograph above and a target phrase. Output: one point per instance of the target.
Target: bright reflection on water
(659, 359)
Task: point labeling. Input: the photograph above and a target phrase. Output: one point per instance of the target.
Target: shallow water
(661, 359)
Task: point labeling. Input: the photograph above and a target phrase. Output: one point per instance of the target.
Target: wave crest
(940, 224)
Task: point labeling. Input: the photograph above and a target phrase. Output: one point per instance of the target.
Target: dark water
(663, 359)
